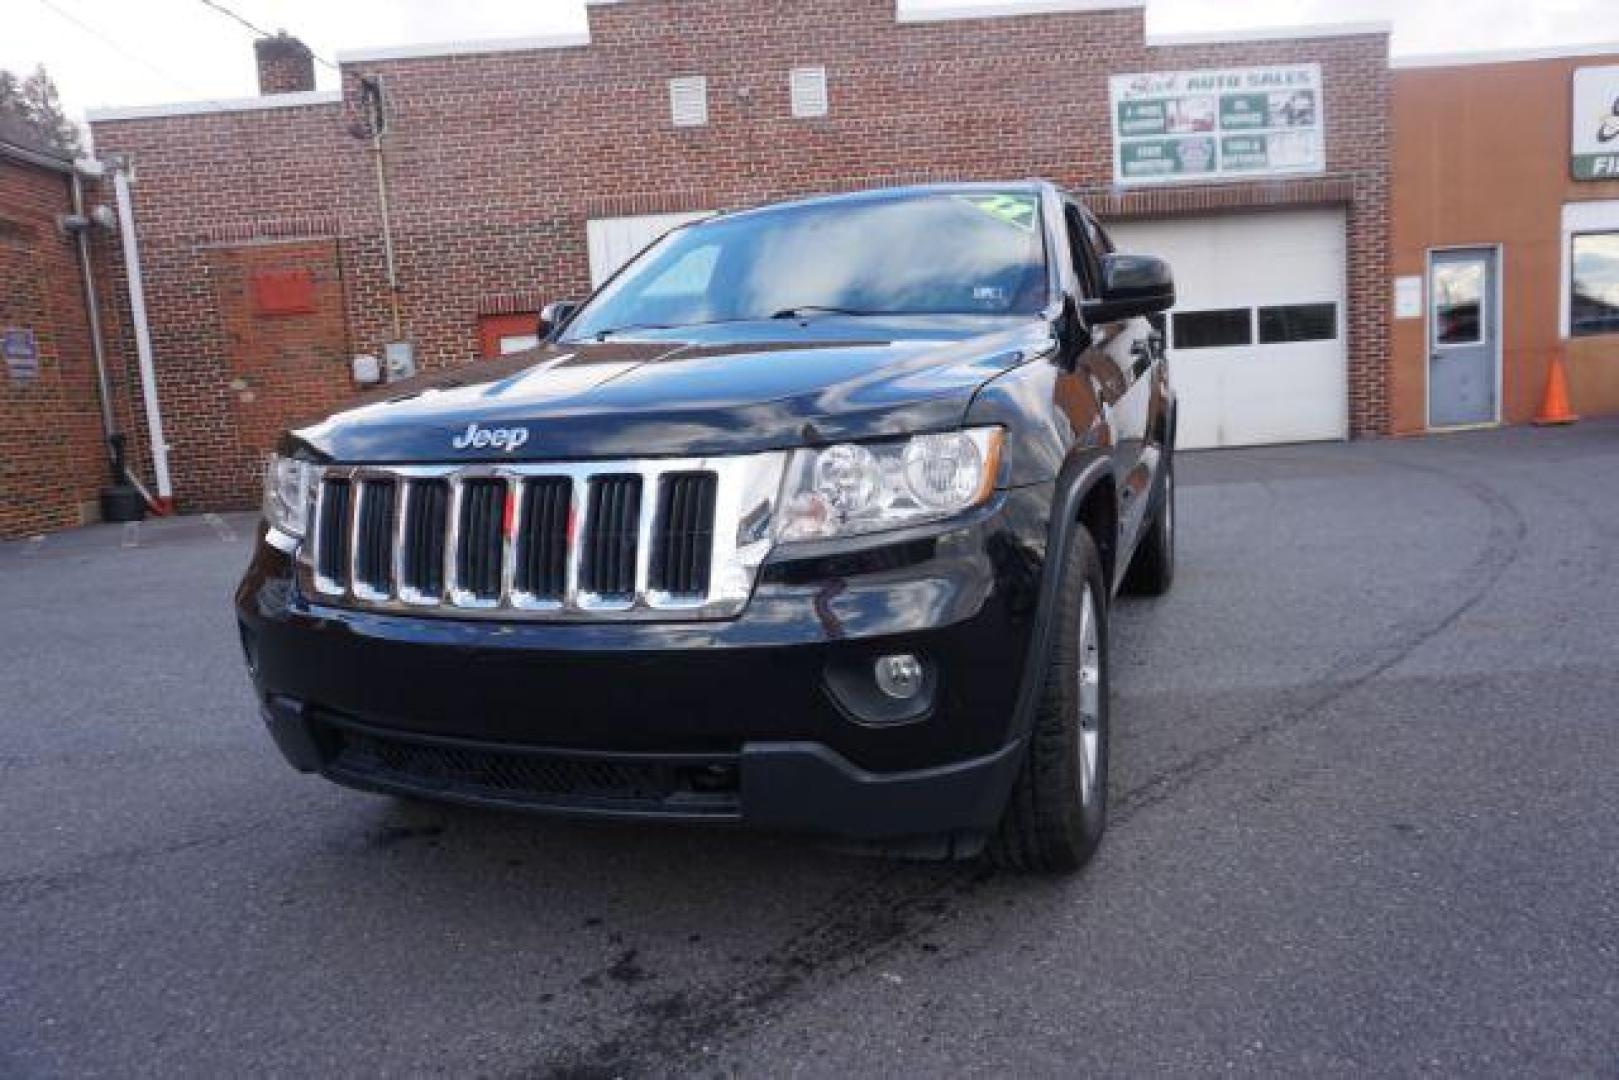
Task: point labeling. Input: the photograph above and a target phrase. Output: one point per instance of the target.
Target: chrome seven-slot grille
(637, 539)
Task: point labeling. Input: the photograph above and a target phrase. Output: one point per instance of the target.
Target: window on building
(1213, 329)
(1458, 302)
(688, 101)
(502, 334)
(1287, 323)
(807, 86)
(1594, 284)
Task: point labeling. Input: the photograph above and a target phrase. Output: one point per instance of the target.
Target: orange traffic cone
(1554, 405)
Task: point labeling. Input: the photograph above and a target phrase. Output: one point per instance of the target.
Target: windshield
(957, 253)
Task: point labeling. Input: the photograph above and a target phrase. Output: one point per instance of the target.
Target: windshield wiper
(784, 313)
(611, 331)
(819, 309)
(603, 335)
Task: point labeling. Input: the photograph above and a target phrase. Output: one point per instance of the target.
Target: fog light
(899, 676)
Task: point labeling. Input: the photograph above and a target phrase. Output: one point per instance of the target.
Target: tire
(1152, 570)
(1057, 810)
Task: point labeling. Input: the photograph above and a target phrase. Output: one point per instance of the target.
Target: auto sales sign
(1175, 127)
(1596, 123)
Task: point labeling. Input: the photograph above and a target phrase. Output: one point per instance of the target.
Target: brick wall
(217, 181)
(495, 162)
(52, 453)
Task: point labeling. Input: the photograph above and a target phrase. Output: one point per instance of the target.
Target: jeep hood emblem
(475, 437)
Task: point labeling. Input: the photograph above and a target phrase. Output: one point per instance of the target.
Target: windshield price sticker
(1013, 209)
(1176, 127)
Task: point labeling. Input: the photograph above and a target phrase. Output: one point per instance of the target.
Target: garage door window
(1287, 323)
(1594, 300)
(1214, 329)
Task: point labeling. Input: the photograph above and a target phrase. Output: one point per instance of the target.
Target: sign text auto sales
(1174, 127)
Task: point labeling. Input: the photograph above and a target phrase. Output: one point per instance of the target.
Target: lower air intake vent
(688, 785)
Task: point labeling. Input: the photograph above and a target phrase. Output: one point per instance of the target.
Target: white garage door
(615, 241)
(1257, 334)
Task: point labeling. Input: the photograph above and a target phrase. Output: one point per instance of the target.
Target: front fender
(1081, 474)
(1047, 411)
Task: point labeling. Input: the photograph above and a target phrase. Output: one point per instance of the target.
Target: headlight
(855, 488)
(289, 491)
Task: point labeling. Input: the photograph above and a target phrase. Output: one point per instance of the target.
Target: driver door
(1121, 359)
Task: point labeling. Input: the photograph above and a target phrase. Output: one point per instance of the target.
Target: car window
(1100, 240)
(1086, 264)
(688, 276)
(972, 252)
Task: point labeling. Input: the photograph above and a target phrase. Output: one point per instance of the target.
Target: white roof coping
(464, 48)
(194, 108)
(1505, 56)
(1006, 9)
(1272, 33)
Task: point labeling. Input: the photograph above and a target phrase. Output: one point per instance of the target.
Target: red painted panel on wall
(283, 292)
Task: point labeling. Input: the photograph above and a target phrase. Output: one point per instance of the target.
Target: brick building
(515, 172)
(53, 448)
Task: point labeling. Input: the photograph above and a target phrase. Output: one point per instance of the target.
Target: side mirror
(553, 316)
(1132, 285)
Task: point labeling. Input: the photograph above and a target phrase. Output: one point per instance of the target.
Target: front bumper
(762, 720)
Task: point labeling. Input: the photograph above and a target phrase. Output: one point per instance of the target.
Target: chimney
(286, 66)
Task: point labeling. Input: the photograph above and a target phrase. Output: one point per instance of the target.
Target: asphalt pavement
(1366, 821)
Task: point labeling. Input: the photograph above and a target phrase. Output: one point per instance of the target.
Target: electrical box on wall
(367, 370)
(400, 359)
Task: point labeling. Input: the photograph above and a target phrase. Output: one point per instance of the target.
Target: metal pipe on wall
(143, 341)
(376, 122)
(109, 427)
(387, 233)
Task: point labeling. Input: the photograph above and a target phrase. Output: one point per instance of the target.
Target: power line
(229, 14)
(118, 47)
(259, 30)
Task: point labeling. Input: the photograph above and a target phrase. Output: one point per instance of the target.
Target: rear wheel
(1058, 807)
(1152, 571)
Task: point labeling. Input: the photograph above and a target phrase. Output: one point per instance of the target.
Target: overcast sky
(131, 52)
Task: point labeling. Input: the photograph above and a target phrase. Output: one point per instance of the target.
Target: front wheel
(1058, 807)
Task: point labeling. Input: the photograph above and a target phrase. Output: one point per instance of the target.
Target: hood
(696, 391)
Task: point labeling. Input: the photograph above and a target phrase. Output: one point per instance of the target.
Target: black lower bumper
(789, 786)
(765, 720)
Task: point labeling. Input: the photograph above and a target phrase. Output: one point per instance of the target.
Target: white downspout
(143, 342)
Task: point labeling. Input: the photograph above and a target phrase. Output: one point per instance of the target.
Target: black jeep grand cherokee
(809, 519)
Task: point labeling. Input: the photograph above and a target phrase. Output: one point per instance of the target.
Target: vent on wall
(688, 101)
(808, 85)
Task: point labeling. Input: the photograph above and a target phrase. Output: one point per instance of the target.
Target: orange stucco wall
(1481, 157)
